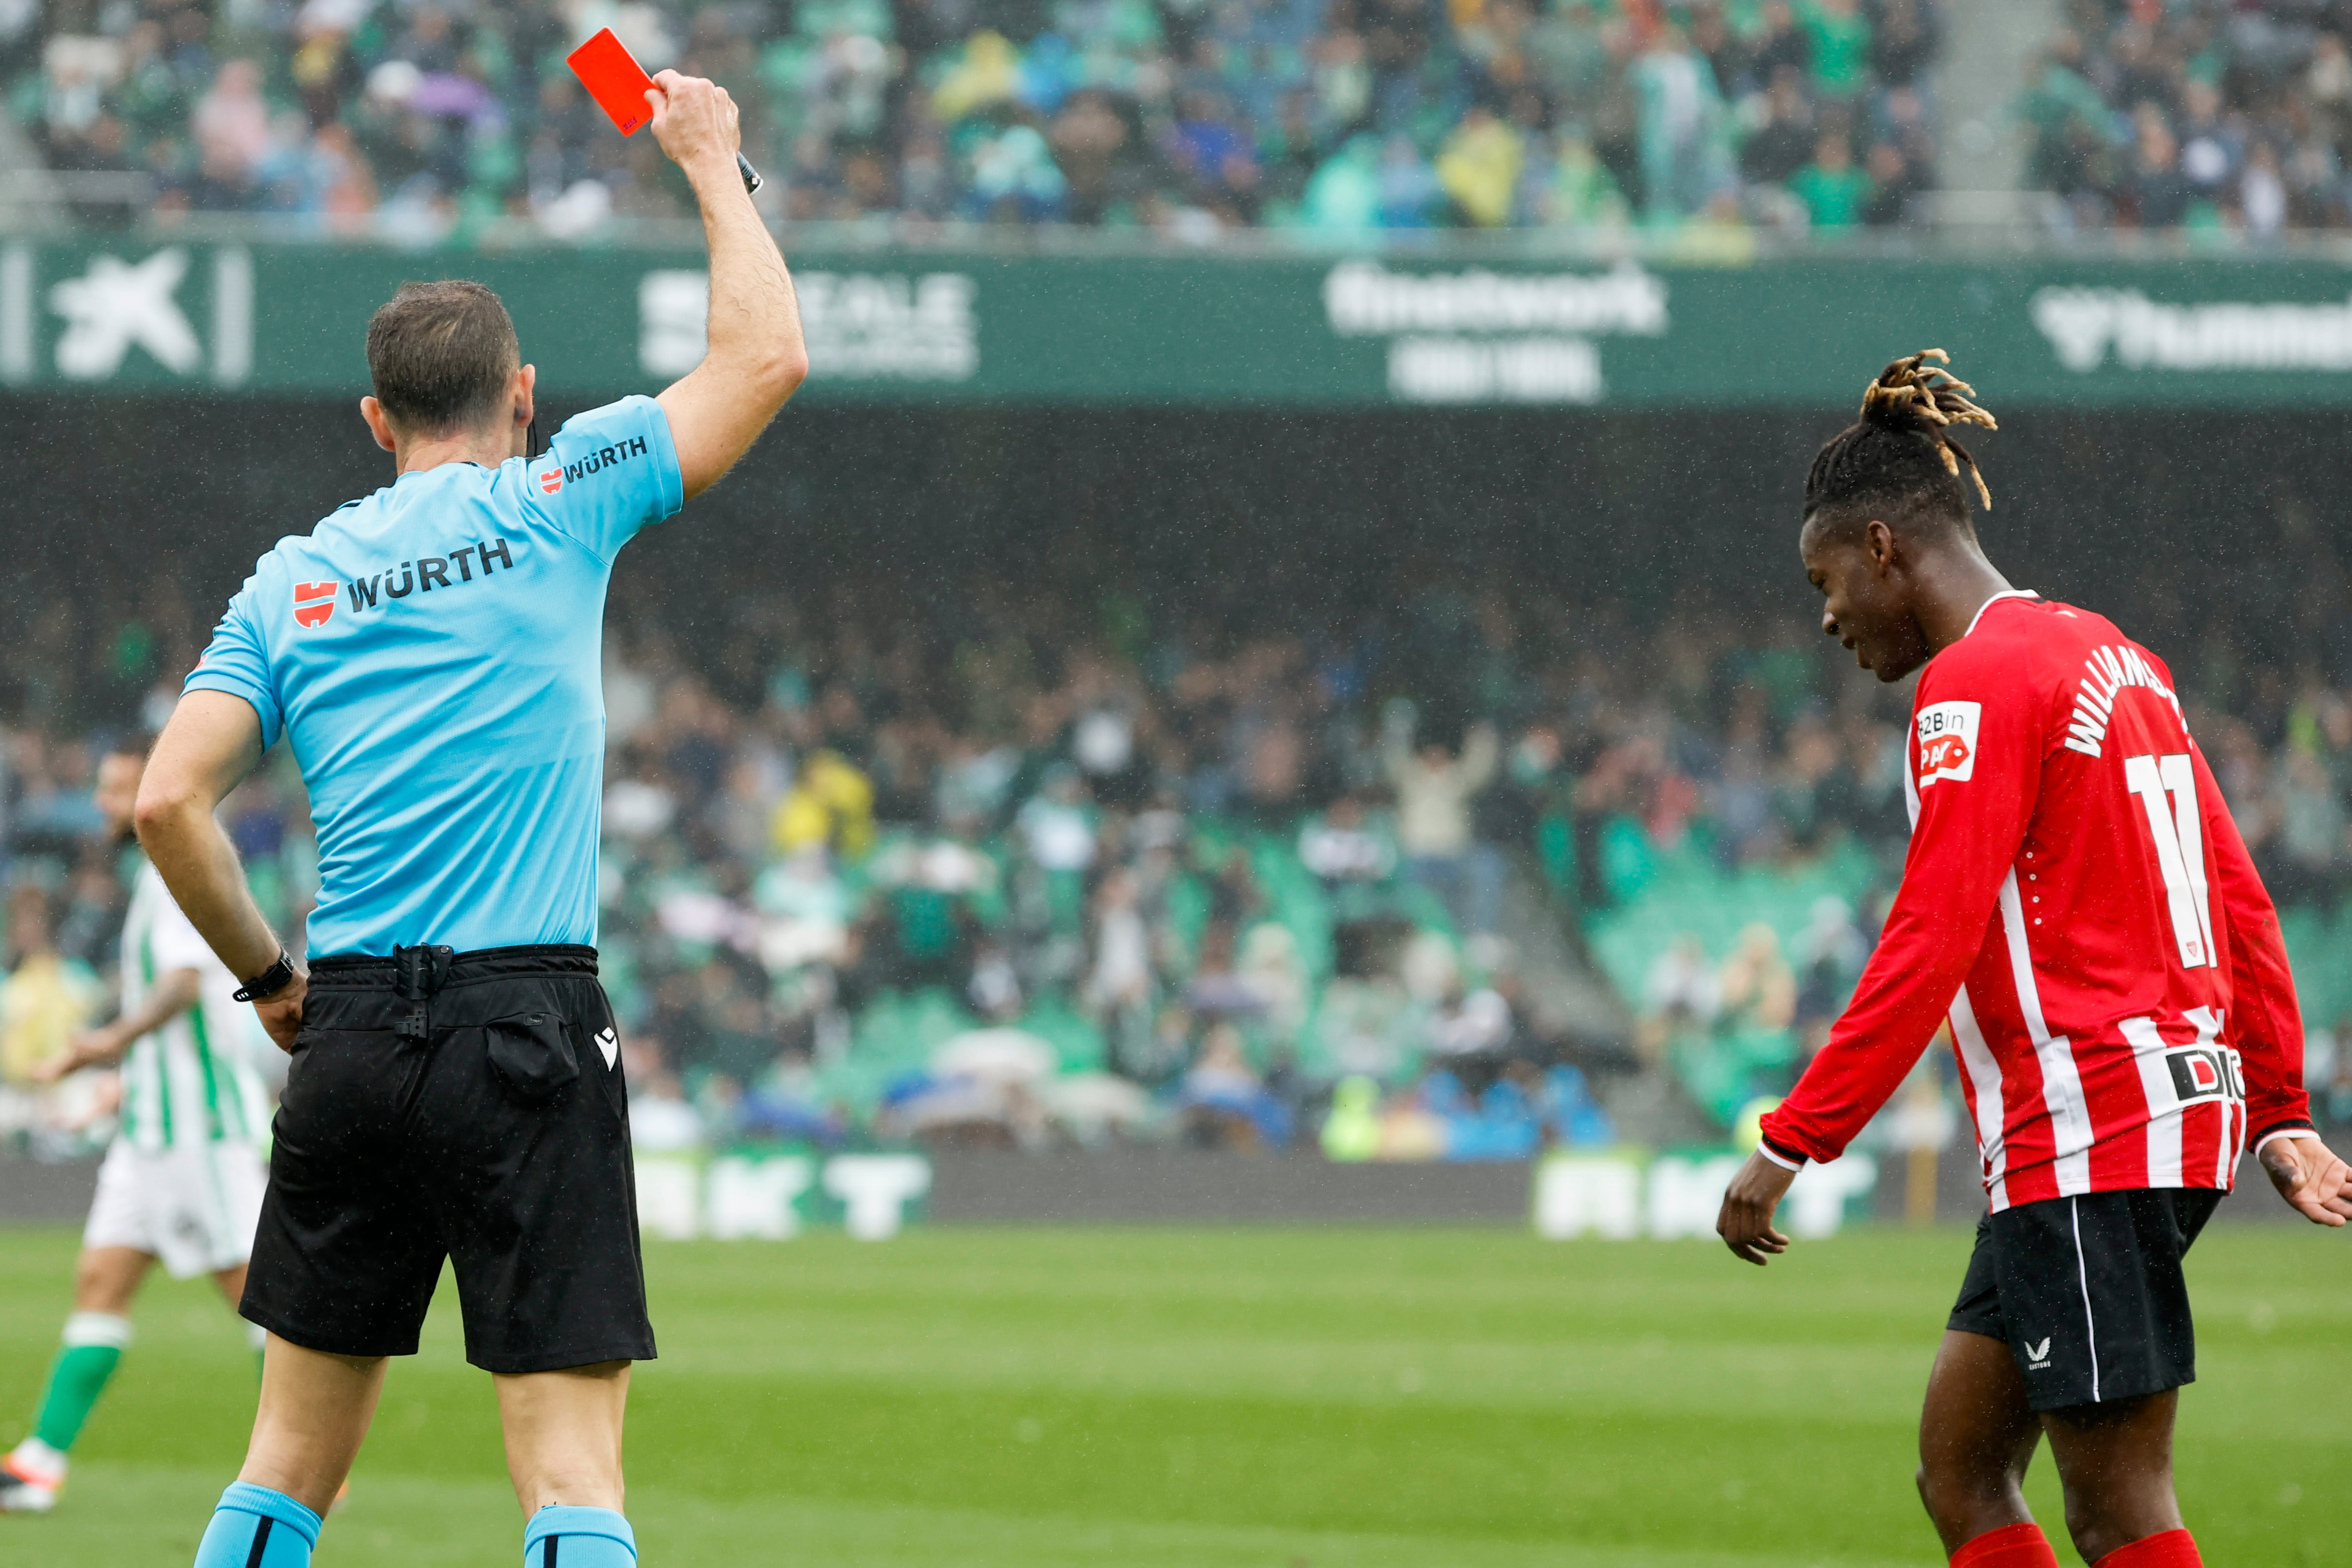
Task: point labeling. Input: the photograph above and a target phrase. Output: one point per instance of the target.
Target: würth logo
(423, 574)
(314, 603)
(551, 480)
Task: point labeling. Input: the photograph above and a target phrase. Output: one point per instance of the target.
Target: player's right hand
(2312, 1177)
(695, 122)
(1748, 1205)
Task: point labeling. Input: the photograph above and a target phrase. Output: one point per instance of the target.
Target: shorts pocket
(532, 1054)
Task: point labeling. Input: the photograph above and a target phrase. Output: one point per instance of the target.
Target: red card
(613, 78)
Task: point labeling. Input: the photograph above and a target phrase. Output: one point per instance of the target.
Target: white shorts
(194, 1207)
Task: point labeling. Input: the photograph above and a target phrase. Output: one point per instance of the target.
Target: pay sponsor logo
(1947, 741)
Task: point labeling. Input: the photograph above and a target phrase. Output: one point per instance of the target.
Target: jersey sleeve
(1978, 736)
(237, 662)
(609, 473)
(2268, 1020)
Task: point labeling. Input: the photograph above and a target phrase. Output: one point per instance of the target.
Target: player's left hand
(1749, 1204)
(2312, 1177)
(281, 1014)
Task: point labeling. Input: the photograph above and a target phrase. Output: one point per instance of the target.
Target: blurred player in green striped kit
(183, 1180)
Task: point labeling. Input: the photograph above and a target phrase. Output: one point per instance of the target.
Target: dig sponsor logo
(2205, 1072)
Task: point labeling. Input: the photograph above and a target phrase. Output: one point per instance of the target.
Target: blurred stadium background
(1273, 634)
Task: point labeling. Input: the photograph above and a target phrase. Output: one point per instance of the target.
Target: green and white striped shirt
(192, 1080)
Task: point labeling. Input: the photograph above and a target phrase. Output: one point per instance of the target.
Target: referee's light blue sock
(256, 1527)
(562, 1536)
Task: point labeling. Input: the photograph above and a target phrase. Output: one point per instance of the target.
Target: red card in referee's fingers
(613, 78)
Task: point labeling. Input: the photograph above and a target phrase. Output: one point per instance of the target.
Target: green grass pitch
(1162, 1398)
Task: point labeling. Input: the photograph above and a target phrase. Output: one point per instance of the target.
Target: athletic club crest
(314, 603)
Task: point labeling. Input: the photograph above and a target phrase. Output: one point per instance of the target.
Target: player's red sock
(2011, 1546)
(2173, 1549)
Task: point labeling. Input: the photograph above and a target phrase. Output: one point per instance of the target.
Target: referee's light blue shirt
(433, 654)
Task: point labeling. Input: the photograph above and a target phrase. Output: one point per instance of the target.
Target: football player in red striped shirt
(2078, 902)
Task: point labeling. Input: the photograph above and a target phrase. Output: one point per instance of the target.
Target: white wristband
(2269, 1138)
(1773, 1154)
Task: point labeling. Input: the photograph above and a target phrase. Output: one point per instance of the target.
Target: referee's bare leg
(562, 1429)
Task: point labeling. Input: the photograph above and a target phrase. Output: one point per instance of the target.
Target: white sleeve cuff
(2269, 1138)
(1786, 1164)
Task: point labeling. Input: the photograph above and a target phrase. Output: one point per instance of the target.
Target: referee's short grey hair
(441, 355)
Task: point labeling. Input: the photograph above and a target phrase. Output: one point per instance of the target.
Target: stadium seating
(2223, 120)
(1582, 116)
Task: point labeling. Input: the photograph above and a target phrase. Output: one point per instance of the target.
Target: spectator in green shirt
(1835, 191)
(1841, 35)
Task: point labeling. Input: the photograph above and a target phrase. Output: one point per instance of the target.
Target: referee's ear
(378, 425)
(525, 384)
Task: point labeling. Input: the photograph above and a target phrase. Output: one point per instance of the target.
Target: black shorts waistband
(436, 968)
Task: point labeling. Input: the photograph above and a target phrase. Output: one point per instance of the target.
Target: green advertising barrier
(1204, 331)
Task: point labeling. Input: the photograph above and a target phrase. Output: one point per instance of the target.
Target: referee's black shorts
(2087, 1292)
(466, 1105)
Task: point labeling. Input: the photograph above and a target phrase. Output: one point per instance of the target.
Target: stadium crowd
(1180, 116)
(2195, 114)
(1057, 874)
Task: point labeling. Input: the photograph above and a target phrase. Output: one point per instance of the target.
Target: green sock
(93, 1346)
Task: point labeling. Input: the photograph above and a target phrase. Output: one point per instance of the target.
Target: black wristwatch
(269, 982)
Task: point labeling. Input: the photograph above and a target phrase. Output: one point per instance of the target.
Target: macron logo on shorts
(314, 603)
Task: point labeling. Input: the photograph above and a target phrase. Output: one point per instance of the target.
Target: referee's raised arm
(756, 357)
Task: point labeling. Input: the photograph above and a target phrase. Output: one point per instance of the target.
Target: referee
(432, 654)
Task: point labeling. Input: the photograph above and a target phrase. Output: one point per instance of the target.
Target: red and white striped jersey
(2078, 903)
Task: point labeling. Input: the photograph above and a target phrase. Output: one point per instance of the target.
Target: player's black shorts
(465, 1105)
(2087, 1292)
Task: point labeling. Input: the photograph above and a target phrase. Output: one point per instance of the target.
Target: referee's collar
(437, 467)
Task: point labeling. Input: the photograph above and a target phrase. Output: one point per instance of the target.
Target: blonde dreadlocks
(1900, 460)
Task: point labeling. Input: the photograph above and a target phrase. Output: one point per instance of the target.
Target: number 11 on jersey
(2179, 833)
